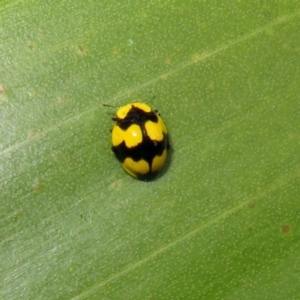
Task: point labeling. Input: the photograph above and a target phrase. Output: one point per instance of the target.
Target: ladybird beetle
(140, 140)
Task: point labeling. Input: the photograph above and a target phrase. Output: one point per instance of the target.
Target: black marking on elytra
(147, 177)
(135, 116)
(146, 150)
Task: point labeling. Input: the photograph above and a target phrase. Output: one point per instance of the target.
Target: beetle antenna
(109, 105)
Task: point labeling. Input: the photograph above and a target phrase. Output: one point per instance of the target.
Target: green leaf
(222, 221)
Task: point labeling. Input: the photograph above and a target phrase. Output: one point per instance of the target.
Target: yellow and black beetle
(140, 140)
